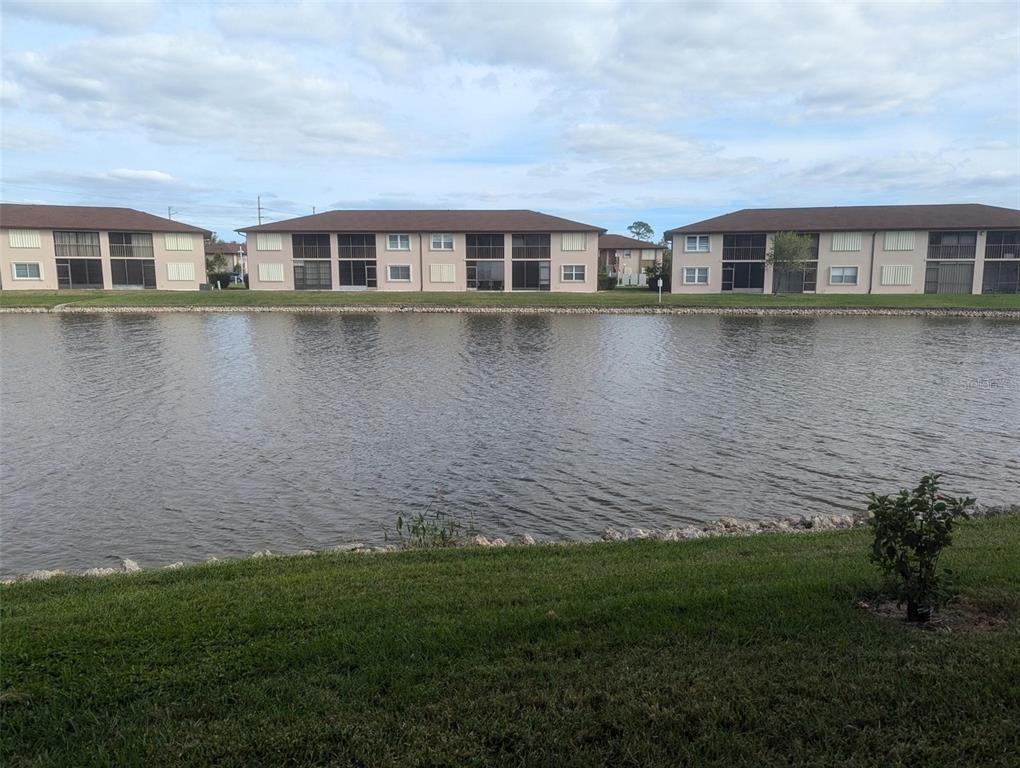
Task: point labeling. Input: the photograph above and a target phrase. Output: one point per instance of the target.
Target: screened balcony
(310, 246)
(531, 246)
(958, 246)
(484, 246)
(1002, 245)
(130, 245)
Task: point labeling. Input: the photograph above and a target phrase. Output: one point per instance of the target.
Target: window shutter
(897, 274)
(177, 241)
(572, 241)
(271, 273)
(24, 238)
(899, 241)
(846, 241)
(268, 241)
(442, 273)
(184, 270)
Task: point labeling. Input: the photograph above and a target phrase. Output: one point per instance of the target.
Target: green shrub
(606, 283)
(911, 530)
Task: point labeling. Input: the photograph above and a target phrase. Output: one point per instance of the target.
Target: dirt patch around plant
(964, 614)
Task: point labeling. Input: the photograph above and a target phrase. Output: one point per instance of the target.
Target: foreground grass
(737, 652)
(617, 298)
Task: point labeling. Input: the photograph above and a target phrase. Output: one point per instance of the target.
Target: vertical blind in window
(899, 241)
(847, 241)
(177, 241)
(441, 273)
(572, 241)
(897, 274)
(24, 238)
(269, 241)
(180, 271)
(271, 273)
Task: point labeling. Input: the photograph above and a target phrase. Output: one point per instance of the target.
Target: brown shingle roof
(87, 217)
(857, 217)
(212, 248)
(614, 242)
(425, 221)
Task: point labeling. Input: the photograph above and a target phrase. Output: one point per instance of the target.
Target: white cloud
(191, 89)
(119, 16)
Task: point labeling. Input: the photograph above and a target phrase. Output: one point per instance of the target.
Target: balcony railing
(311, 251)
(743, 253)
(1002, 251)
(485, 251)
(958, 252)
(121, 251)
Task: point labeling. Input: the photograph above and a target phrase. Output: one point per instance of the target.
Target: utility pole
(170, 213)
(260, 208)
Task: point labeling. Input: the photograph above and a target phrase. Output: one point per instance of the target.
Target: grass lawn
(735, 652)
(617, 298)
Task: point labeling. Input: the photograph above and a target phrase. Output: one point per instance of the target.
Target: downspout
(871, 269)
(421, 264)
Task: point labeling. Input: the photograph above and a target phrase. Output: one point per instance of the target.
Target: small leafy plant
(911, 530)
(428, 530)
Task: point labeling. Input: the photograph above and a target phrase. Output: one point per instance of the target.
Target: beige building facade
(51, 247)
(627, 258)
(865, 249)
(424, 251)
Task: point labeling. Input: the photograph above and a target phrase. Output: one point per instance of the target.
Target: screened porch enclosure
(79, 273)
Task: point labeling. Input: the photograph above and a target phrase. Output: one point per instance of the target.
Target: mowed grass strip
(620, 298)
(736, 652)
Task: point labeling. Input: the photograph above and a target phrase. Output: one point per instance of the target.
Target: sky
(605, 113)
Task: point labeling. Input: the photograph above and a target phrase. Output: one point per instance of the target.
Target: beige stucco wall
(43, 255)
(421, 257)
(712, 259)
(283, 257)
(46, 256)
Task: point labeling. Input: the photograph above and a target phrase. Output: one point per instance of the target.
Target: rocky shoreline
(1010, 314)
(723, 526)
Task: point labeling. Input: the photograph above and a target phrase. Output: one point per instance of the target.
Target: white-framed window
(398, 273)
(572, 273)
(843, 275)
(177, 241)
(268, 241)
(26, 270)
(271, 273)
(899, 241)
(398, 242)
(648, 254)
(24, 238)
(179, 271)
(846, 241)
(696, 244)
(573, 241)
(442, 241)
(442, 273)
(626, 254)
(695, 275)
(897, 274)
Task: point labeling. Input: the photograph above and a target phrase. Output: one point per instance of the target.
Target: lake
(181, 436)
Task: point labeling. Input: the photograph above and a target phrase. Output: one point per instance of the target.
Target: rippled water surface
(166, 437)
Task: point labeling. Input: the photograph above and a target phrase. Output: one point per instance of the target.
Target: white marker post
(660, 290)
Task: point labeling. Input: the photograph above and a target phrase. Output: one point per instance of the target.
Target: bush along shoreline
(442, 533)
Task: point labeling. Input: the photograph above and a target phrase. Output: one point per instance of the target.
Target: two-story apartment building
(424, 250)
(71, 246)
(966, 248)
(626, 258)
